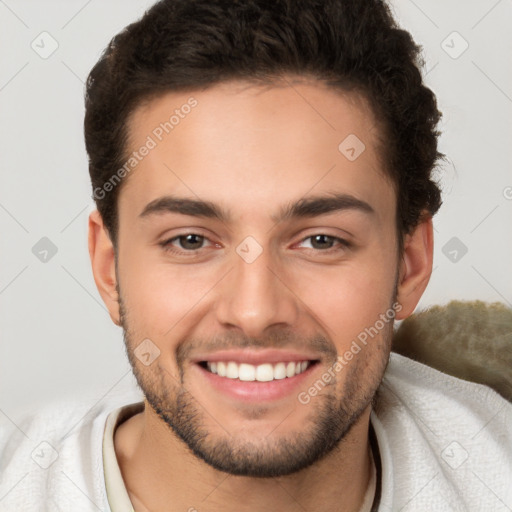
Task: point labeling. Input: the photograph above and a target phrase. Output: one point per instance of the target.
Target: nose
(255, 296)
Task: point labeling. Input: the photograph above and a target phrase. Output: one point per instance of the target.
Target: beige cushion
(469, 340)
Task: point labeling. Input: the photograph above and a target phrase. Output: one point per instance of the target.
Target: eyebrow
(308, 207)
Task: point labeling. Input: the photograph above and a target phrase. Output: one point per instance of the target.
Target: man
(263, 177)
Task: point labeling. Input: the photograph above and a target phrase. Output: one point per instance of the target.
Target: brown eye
(325, 243)
(322, 241)
(190, 242)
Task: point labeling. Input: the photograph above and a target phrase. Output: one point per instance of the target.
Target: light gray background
(57, 341)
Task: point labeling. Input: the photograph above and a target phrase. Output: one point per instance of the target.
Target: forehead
(261, 142)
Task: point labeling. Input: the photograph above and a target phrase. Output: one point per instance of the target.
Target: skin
(252, 150)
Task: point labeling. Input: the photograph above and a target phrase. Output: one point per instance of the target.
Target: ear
(415, 267)
(101, 252)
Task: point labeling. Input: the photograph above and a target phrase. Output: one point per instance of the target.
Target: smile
(262, 373)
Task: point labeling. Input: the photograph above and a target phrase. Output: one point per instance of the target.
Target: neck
(159, 469)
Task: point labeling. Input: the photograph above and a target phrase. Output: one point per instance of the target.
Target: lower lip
(255, 391)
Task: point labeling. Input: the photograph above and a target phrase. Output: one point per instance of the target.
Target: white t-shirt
(444, 444)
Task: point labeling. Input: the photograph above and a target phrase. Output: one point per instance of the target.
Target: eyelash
(166, 245)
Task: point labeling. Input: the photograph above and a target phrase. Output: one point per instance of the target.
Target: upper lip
(256, 357)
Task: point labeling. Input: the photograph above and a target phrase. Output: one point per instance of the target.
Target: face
(254, 253)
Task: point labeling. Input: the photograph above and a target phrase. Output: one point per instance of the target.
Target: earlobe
(415, 267)
(101, 252)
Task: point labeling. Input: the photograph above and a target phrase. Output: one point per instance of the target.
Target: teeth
(247, 372)
(262, 372)
(232, 370)
(280, 371)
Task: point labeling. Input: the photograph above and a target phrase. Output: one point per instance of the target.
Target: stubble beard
(333, 412)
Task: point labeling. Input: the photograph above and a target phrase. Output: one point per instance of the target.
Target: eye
(192, 243)
(325, 242)
(188, 242)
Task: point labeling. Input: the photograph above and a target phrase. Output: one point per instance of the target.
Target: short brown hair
(189, 44)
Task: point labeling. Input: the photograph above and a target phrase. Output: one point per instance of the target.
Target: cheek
(347, 299)
(158, 296)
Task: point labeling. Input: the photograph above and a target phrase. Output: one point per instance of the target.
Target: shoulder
(408, 382)
(451, 436)
(53, 456)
